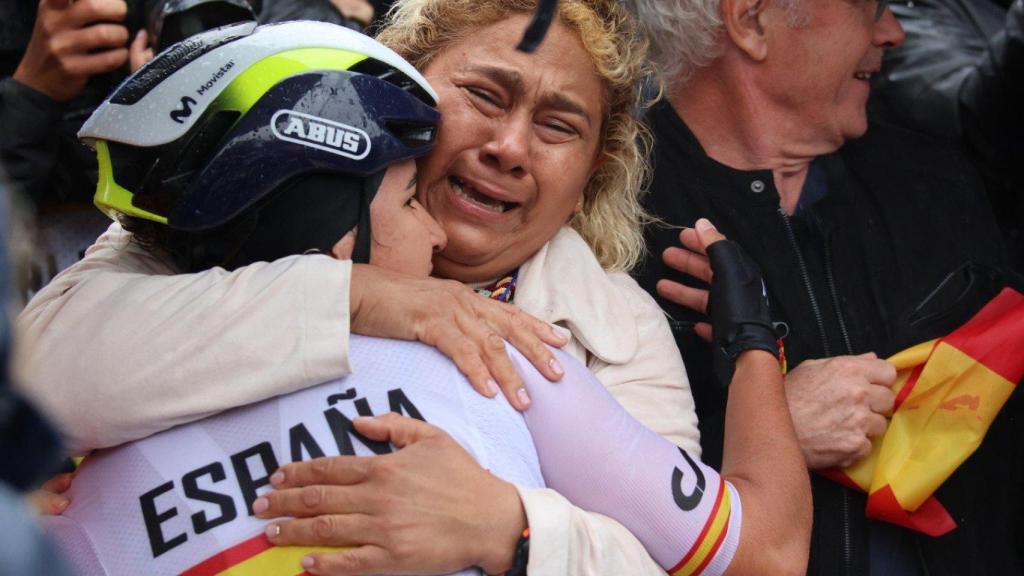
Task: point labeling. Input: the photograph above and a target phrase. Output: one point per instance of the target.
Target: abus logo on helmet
(320, 133)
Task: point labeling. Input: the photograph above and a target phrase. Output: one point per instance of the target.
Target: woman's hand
(737, 302)
(49, 499)
(469, 329)
(427, 509)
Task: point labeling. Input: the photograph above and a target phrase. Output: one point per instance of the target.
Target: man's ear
(743, 22)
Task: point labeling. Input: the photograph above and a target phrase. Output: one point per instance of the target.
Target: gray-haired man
(868, 245)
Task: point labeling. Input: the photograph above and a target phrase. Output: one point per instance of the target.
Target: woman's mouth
(473, 196)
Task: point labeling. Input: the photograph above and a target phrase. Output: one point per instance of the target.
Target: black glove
(738, 307)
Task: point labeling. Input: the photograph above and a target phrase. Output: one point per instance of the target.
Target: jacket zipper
(845, 505)
(807, 280)
(848, 553)
(835, 299)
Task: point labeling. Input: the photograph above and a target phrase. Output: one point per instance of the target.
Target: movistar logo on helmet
(320, 133)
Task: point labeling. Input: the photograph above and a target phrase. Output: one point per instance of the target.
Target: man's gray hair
(684, 34)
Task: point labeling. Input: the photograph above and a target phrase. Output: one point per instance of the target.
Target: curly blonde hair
(612, 218)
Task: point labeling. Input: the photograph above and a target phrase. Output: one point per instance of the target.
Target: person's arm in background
(71, 42)
(29, 149)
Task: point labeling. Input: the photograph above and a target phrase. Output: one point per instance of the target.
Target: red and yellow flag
(255, 557)
(948, 392)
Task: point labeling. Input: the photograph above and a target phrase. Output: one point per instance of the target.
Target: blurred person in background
(29, 447)
(960, 76)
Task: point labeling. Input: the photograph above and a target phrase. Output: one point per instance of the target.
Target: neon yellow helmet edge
(239, 96)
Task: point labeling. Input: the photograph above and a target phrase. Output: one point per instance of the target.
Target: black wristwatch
(522, 555)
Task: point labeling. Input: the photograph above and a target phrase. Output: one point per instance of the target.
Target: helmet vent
(175, 58)
(413, 134)
(393, 75)
(131, 162)
(176, 163)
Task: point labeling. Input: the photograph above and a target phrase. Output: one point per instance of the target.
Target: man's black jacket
(902, 249)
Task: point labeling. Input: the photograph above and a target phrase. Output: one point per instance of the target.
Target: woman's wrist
(757, 356)
(506, 524)
(758, 367)
(758, 359)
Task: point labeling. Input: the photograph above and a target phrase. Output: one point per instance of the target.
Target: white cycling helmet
(210, 132)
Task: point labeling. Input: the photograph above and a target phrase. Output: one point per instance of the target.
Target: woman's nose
(509, 147)
(438, 239)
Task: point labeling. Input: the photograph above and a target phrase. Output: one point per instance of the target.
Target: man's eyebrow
(512, 80)
(412, 181)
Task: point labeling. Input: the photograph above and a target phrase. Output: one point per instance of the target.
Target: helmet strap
(361, 253)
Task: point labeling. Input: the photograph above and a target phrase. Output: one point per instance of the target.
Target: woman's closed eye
(559, 126)
(556, 131)
(485, 97)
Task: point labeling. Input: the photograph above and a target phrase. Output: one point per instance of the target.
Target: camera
(170, 21)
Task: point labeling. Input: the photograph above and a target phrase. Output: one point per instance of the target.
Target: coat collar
(674, 141)
(564, 284)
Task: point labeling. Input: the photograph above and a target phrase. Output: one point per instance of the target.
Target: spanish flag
(948, 392)
(255, 557)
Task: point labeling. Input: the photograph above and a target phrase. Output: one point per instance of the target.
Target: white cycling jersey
(179, 502)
